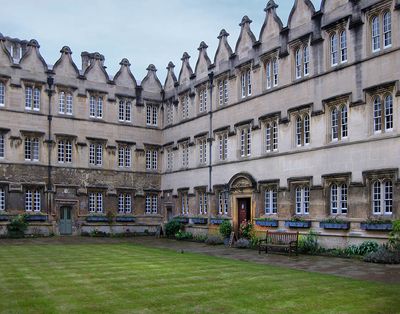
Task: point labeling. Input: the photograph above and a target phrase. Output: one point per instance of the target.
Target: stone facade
(303, 121)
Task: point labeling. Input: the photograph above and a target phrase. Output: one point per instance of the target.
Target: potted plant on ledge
(266, 222)
(217, 220)
(181, 219)
(377, 224)
(335, 223)
(298, 222)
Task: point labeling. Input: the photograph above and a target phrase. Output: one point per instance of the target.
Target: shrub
(182, 235)
(172, 227)
(383, 255)
(214, 240)
(254, 240)
(368, 247)
(394, 236)
(17, 226)
(200, 238)
(334, 220)
(225, 228)
(99, 234)
(242, 243)
(246, 229)
(308, 243)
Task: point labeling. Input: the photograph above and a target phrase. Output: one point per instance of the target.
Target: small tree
(225, 229)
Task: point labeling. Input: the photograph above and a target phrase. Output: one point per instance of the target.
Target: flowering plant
(246, 229)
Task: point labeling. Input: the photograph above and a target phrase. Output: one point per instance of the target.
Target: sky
(143, 31)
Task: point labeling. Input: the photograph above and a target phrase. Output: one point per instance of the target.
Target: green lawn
(127, 278)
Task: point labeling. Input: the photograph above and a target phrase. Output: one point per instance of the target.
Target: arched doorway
(242, 187)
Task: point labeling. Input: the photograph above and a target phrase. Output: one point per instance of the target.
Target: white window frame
(124, 156)
(334, 49)
(151, 204)
(245, 141)
(185, 107)
(151, 159)
(95, 154)
(32, 200)
(124, 203)
(271, 201)
(185, 155)
(302, 197)
(170, 159)
(64, 151)
(203, 100)
(203, 203)
(202, 143)
(2, 199)
(2, 94)
(382, 197)
(184, 203)
(96, 106)
(65, 103)
(152, 115)
(2, 146)
(343, 46)
(223, 146)
(223, 203)
(246, 83)
(339, 199)
(375, 34)
(32, 148)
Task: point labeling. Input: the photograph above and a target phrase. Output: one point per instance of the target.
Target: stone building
(301, 122)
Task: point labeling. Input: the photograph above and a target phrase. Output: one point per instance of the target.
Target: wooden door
(65, 220)
(243, 209)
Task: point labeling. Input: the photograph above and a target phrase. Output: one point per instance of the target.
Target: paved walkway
(328, 265)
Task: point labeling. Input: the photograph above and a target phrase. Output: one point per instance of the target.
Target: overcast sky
(144, 31)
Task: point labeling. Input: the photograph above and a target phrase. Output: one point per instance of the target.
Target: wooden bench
(288, 240)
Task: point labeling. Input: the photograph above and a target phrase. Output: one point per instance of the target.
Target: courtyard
(147, 275)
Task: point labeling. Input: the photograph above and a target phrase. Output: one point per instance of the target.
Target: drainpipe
(50, 82)
(210, 113)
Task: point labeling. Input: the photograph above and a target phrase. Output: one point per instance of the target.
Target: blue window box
(182, 220)
(125, 219)
(267, 223)
(97, 219)
(4, 217)
(217, 221)
(199, 221)
(376, 227)
(336, 226)
(36, 217)
(298, 224)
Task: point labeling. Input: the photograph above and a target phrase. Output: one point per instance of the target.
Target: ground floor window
(339, 199)
(124, 203)
(382, 197)
(96, 202)
(184, 203)
(32, 200)
(203, 206)
(271, 201)
(302, 200)
(2, 199)
(151, 204)
(223, 201)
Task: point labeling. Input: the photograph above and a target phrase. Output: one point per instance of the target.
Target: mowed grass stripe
(122, 278)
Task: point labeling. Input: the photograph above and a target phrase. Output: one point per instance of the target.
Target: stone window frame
(340, 181)
(203, 99)
(95, 201)
(65, 139)
(223, 205)
(96, 159)
(340, 106)
(222, 145)
(151, 203)
(269, 190)
(245, 140)
(342, 52)
(32, 99)
(184, 201)
(203, 153)
(3, 92)
(152, 113)
(124, 155)
(246, 81)
(223, 91)
(378, 14)
(202, 200)
(302, 56)
(96, 105)
(381, 93)
(3, 143)
(303, 185)
(271, 137)
(270, 63)
(302, 137)
(125, 110)
(151, 156)
(68, 93)
(35, 138)
(33, 198)
(126, 200)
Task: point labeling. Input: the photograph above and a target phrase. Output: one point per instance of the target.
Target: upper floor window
(271, 201)
(338, 47)
(245, 142)
(185, 155)
(302, 200)
(64, 151)
(2, 146)
(170, 113)
(95, 154)
(223, 203)
(382, 197)
(338, 200)
(32, 148)
(203, 100)
(32, 98)
(2, 94)
(339, 122)
(203, 203)
(185, 106)
(151, 159)
(32, 200)
(151, 205)
(271, 136)
(125, 111)
(170, 159)
(383, 114)
(202, 151)
(272, 71)
(302, 61)
(381, 36)
(184, 203)
(124, 203)
(223, 146)
(2, 199)
(96, 202)
(303, 130)
(223, 92)
(96, 107)
(152, 115)
(245, 81)
(65, 103)
(124, 156)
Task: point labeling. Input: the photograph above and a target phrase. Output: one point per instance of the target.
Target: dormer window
(245, 80)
